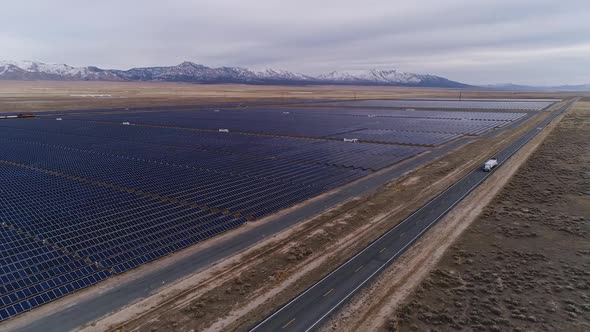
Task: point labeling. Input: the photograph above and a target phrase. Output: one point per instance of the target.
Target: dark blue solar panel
(81, 200)
(492, 104)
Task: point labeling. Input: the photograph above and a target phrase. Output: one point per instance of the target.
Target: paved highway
(308, 310)
(112, 299)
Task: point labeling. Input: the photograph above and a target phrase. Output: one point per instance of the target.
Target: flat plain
(18, 96)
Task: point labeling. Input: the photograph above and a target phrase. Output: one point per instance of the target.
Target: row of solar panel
(382, 135)
(17, 307)
(179, 146)
(205, 188)
(527, 105)
(424, 138)
(238, 113)
(69, 234)
(417, 128)
(296, 124)
(388, 113)
(31, 278)
(484, 104)
(553, 100)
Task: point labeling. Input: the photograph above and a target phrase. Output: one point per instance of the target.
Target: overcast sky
(541, 42)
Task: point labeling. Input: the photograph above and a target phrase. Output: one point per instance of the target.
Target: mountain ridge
(197, 73)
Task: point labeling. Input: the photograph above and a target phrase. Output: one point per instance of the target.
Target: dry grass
(16, 96)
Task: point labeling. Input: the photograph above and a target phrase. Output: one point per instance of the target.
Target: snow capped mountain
(189, 72)
(192, 72)
(388, 77)
(283, 75)
(392, 76)
(32, 66)
(384, 76)
(32, 70)
(338, 76)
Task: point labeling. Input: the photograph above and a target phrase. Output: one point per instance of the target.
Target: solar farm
(483, 104)
(86, 196)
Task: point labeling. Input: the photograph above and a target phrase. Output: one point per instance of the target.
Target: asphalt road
(109, 300)
(308, 310)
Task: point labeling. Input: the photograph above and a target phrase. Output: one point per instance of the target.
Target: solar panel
(82, 200)
(491, 104)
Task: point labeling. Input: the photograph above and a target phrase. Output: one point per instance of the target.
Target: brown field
(17, 96)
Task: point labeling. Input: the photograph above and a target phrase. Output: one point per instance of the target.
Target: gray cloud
(520, 41)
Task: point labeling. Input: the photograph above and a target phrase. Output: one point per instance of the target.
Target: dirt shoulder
(238, 294)
(524, 264)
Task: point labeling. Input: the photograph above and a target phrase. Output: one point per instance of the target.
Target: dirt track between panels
(524, 264)
(236, 295)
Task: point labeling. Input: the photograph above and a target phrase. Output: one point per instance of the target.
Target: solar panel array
(419, 127)
(87, 197)
(490, 104)
(80, 201)
(553, 100)
(61, 235)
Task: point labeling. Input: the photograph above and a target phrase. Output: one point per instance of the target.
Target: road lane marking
(383, 249)
(289, 323)
(358, 268)
(328, 292)
(403, 234)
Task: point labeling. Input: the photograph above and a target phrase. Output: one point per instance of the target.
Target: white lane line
(289, 323)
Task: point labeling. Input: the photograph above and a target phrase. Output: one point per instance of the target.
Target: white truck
(487, 167)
